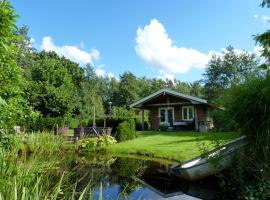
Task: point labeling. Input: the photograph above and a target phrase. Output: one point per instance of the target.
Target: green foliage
(223, 121)
(228, 70)
(86, 144)
(163, 127)
(97, 143)
(8, 142)
(16, 109)
(265, 3)
(249, 107)
(128, 89)
(104, 141)
(51, 90)
(44, 142)
(126, 130)
(259, 191)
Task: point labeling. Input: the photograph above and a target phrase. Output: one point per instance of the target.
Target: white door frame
(166, 115)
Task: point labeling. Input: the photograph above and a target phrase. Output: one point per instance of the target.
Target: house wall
(202, 113)
(154, 118)
(154, 115)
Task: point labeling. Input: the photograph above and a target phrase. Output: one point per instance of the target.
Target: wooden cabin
(175, 110)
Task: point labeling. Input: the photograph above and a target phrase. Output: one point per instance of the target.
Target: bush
(138, 123)
(126, 130)
(163, 127)
(223, 121)
(8, 142)
(249, 107)
(105, 140)
(86, 144)
(92, 144)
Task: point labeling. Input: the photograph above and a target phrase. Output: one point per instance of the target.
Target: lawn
(178, 146)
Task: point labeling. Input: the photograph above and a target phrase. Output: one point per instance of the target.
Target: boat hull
(211, 164)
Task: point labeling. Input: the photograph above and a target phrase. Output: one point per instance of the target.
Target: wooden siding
(154, 115)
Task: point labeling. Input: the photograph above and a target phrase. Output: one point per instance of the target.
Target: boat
(212, 163)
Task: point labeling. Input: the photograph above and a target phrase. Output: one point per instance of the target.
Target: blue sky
(153, 38)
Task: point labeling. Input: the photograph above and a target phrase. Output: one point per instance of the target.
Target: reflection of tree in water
(95, 169)
(92, 170)
(126, 168)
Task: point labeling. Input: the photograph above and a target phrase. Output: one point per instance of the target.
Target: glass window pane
(190, 113)
(170, 115)
(185, 113)
(162, 115)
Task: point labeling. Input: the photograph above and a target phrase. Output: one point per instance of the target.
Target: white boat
(212, 163)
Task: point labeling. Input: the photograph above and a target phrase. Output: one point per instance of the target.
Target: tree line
(40, 89)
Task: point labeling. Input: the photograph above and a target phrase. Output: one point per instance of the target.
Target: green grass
(178, 146)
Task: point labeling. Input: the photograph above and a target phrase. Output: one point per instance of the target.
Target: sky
(152, 38)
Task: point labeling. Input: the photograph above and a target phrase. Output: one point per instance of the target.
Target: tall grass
(44, 142)
(39, 176)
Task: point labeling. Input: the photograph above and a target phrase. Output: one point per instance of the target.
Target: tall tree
(14, 108)
(224, 71)
(52, 91)
(264, 41)
(128, 89)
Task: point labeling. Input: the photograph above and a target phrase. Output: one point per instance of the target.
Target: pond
(135, 178)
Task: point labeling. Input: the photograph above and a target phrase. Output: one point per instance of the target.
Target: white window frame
(188, 117)
(166, 115)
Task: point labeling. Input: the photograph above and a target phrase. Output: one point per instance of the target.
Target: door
(166, 116)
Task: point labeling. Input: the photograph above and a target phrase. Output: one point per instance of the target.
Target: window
(162, 113)
(166, 115)
(187, 112)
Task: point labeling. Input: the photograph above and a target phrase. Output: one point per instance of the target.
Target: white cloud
(156, 48)
(256, 16)
(100, 71)
(111, 75)
(166, 76)
(266, 18)
(32, 40)
(258, 50)
(71, 52)
(82, 44)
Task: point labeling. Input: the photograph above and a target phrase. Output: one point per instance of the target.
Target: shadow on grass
(209, 135)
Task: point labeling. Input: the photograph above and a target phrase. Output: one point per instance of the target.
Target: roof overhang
(193, 100)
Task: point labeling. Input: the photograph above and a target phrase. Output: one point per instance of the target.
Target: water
(134, 178)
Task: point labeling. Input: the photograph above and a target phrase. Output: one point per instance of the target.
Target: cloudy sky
(153, 38)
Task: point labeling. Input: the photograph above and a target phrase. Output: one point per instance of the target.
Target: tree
(224, 71)
(128, 89)
(14, 108)
(266, 3)
(264, 41)
(51, 90)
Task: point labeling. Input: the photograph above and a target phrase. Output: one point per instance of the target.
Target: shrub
(86, 144)
(104, 141)
(163, 127)
(8, 142)
(126, 130)
(138, 123)
(223, 121)
(249, 107)
(90, 144)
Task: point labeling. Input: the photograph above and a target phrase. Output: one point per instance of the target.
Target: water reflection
(130, 178)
